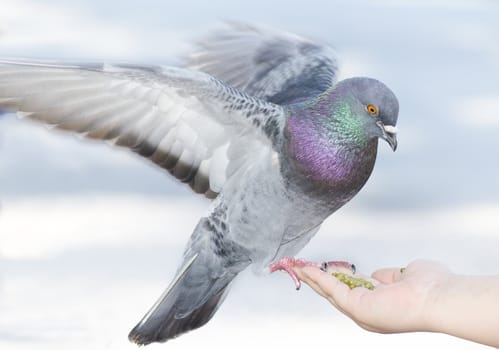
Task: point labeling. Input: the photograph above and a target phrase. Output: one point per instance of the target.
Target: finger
(336, 291)
(322, 293)
(315, 287)
(312, 276)
(304, 277)
(388, 275)
(372, 328)
(319, 289)
(368, 327)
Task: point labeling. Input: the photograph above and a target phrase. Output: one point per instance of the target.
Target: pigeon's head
(374, 104)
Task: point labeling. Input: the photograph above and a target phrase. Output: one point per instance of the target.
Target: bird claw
(338, 264)
(287, 264)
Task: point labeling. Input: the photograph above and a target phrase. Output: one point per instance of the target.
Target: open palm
(399, 303)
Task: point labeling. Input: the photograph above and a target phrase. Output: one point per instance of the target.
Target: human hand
(400, 302)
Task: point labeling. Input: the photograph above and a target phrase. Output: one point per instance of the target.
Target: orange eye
(372, 109)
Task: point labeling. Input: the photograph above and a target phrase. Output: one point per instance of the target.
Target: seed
(353, 282)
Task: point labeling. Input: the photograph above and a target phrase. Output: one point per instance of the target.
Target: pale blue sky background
(90, 235)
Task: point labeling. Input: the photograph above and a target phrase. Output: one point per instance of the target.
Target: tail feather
(174, 314)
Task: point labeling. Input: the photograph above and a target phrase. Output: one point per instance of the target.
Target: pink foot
(287, 264)
(343, 264)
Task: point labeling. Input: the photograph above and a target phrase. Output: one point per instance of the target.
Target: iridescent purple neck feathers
(329, 145)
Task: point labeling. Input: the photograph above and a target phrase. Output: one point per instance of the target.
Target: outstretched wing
(275, 66)
(185, 121)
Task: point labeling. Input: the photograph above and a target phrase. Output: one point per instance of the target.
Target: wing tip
(137, 338)
(140, 338)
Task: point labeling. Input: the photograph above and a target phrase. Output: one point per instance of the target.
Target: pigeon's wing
(182, 120)
(275, 66)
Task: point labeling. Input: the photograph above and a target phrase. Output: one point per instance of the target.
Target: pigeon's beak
(389, 134)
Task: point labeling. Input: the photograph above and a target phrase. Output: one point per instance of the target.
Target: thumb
(388, 275)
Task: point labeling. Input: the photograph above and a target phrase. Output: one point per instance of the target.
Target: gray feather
(276, 66)
(177, 118)
(211, 262)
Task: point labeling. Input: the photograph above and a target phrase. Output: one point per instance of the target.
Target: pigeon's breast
(331, 175)
(262, 214)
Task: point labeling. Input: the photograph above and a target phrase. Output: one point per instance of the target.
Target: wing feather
(273, 65)
(182, 120)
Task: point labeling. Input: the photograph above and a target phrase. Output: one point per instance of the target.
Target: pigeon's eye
(372, 109)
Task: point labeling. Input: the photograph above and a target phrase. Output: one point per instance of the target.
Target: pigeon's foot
(338, 264)
(287, 264)
(353, 282)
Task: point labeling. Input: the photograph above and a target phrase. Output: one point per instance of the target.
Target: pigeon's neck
(331, 153)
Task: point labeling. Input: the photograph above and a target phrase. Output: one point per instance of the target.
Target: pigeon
(255, 120)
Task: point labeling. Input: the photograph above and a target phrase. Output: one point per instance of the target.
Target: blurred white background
(90, 236)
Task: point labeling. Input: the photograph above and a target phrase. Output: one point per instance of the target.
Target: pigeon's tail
(188, 303)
